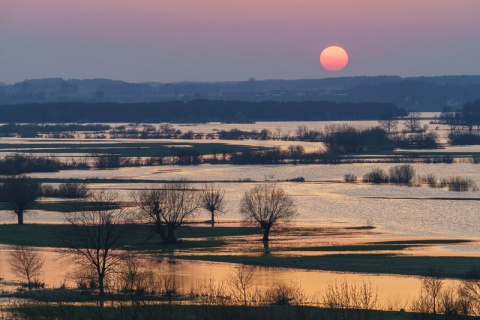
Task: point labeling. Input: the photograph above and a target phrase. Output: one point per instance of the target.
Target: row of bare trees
(98, 229)
(100, 223)
(170, 205)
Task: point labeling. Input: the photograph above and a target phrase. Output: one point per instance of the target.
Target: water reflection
(185, 276)
(266, 248)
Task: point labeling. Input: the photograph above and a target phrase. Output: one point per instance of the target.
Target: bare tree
(21, 192)
(26, 263)
(212, 199)
(266, 205)
(167, 207)
(388, 122)
(412, 121)
(134, 278)
(241, 280)
(432, 284)
(469, 290)
(98, 225)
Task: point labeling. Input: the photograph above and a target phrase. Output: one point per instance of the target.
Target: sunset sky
(222, 40)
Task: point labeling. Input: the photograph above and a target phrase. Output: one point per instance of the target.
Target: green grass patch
(454, 267)
(139, 237)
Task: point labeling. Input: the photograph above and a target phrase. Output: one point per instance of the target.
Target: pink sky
(218, 40)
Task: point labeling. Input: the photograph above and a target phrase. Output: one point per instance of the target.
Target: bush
(106, 161)
(350, 177)
(463, 138)
(15, 164)
(431, 180)
(297, 179)
(376, 176)
(402, 174)
(66, 190)
(459, 184)
(283, 294)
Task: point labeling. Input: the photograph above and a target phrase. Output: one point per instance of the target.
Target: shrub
(350, 177)
(402, 174)
(15, 164)
(66, 190)
(297, 179)
(459, 184)
(106, 161)
(377, 175)
(463, 138)
(431, 180)
(283, 294)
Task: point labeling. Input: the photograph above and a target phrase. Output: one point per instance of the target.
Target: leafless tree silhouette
(412, 121)
(167, 207)
(21, 192)
(212, 199)
(99, 223)
(388, 122)
(266, 205)
(26, 263)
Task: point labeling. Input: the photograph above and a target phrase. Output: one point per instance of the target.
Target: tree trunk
(160, 231)
(266, 232)
(158, 223)
(101, 288)
(29, 281)
(170, 236)
(19, 213)
(213, 218)
(266, 248)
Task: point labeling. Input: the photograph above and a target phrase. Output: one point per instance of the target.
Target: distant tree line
(32, 130)
(195, 111)
(405, 175)
(464, 123)
(14, 164)
(465, 119)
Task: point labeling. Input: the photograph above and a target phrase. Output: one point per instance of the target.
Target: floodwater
(394, 292)
(323, 199)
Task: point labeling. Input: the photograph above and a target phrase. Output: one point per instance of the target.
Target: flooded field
(323, 199)
(394, 213)
(394, 292)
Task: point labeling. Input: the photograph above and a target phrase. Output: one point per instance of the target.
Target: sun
(334, 58)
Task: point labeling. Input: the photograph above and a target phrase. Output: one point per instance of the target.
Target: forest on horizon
(416, 93)
(195, 111)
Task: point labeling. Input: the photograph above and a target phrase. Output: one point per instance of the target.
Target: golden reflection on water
(393, 290)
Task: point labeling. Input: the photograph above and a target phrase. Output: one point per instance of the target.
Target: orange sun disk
(334, 58)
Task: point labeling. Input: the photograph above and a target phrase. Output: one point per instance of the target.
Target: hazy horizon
(210, 40)
(241, 80)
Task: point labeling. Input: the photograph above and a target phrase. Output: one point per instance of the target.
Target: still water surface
(393, 291)
(323, 199)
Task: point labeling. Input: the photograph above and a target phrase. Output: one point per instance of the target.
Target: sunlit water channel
(394, 292)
